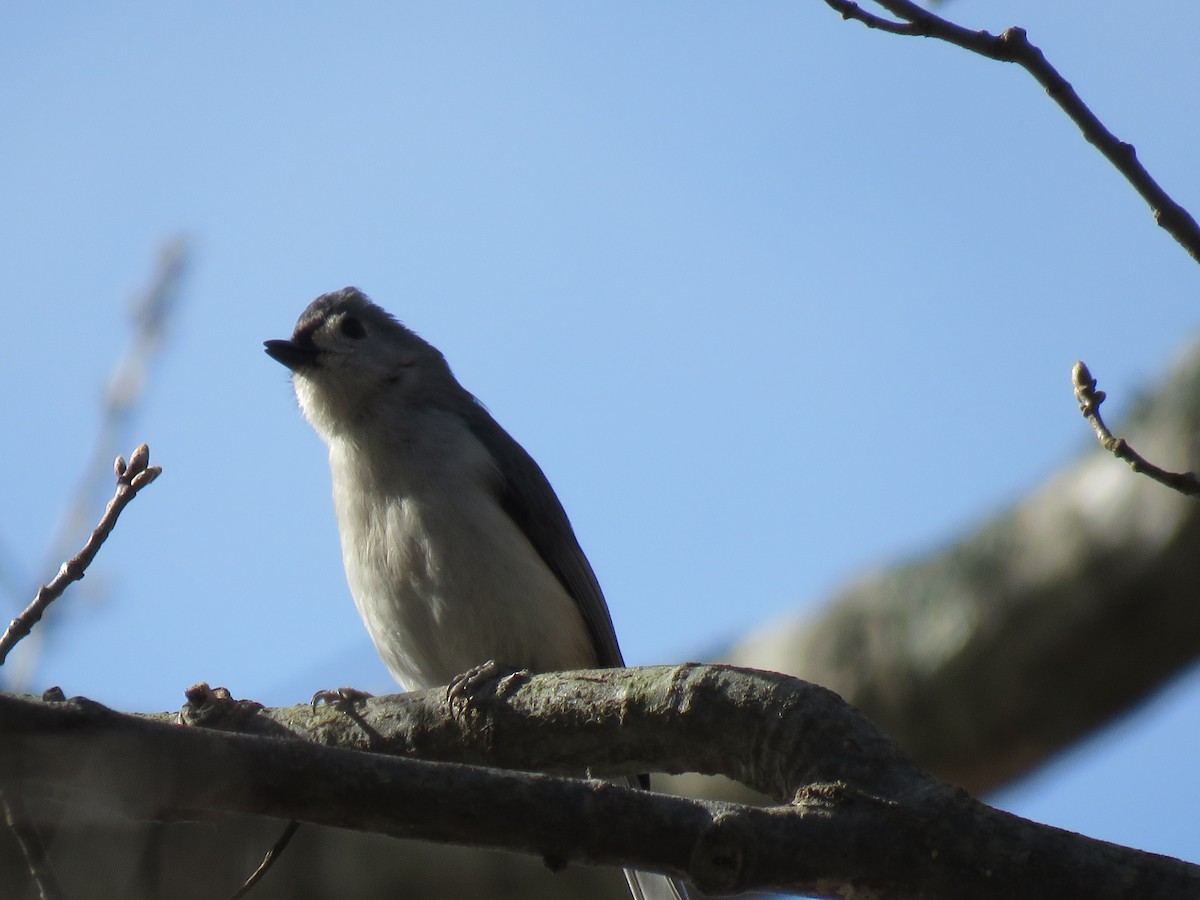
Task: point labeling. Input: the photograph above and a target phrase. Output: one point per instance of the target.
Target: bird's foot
(488, 679)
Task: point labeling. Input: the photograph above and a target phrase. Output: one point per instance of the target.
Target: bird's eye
(352, 328)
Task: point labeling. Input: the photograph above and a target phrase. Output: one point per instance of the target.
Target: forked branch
(1013, 45)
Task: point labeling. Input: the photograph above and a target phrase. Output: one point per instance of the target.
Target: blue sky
(771, 298)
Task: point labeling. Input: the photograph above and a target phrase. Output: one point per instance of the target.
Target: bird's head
(353, 362)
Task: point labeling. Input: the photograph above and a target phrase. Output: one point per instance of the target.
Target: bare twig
(1089, 404)
(131, 478)
(33, 848)
(854, 11)
(268, 860)
(1013, 46)
(150, 311)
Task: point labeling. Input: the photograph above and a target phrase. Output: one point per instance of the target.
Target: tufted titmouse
(456, 549)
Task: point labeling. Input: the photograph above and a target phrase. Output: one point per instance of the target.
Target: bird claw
(489, 678)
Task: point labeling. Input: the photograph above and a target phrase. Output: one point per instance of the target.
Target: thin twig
(1089, 404)
(131, 478)
(854, 11)
(150, 310)
(268, 860)
(33, 847)
(1013, 46)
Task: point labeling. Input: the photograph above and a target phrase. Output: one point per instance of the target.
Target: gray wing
(526, 495)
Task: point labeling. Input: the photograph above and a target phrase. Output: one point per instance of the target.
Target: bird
(456, 549)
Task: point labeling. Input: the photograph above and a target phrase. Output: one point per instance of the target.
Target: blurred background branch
(151, 312)
(1047, 621)
(769, 199)
(982, 660)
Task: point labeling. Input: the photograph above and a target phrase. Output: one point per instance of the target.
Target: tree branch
(1013, 46)
(856, 818)
(268, 860)
(1089, 404)
(985, 657)
(854, 11)
(130, 480)
(150, 312)
(33, 848)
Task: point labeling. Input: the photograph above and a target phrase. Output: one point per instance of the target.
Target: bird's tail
(651, 886)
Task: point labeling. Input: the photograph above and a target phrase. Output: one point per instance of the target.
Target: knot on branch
(216, 708)
(722, 855)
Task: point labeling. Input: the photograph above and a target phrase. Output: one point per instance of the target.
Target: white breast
(442, 577)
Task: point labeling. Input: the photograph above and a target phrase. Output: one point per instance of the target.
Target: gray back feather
(526, 495)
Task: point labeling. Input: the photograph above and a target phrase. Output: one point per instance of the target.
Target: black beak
(291, 354)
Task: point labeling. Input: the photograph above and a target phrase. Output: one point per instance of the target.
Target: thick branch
(1014, 46)
(987, 656)
(861, 820)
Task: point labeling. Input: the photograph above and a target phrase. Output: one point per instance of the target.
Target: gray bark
(987, 657)
(852, 815)
(980, 660)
